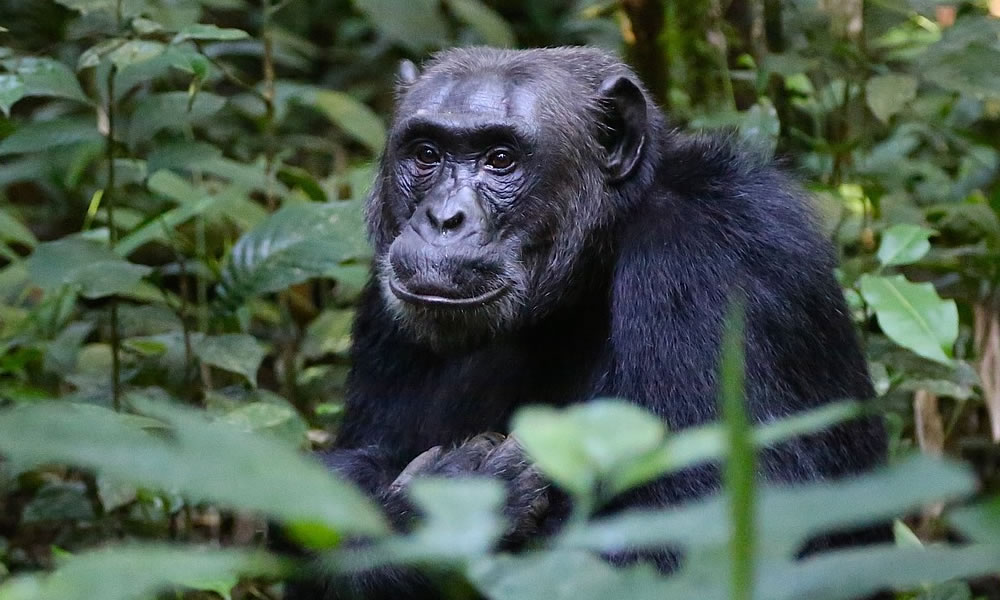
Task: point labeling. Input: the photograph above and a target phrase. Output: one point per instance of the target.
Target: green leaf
(889, 94)
(579, 445)
(180, 155)
(952, 590)
(359, 121)
(271, 417)
(171, 110)
(135, 51)
(11, 230)
(298, 242)
(416, 24)
(11, 90)
(569, 575)
(760, 125)
(59, 501)
(490, 26)
(979, 522)
(860, 573)
(462, 520)
(705, 443)
(91, 57)
(328, 333)
(128, 7)
(130, 572)
(235, 352)
(157, 228)
(88, 266)
(207, 461)
(204, 32)
(904, 244)
(47, 77)
(36, 136)
(913, 315)
(786, 516)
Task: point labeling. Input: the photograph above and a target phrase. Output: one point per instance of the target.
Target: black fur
(626, 298)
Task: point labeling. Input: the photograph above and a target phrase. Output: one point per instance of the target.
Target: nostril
(454, 222)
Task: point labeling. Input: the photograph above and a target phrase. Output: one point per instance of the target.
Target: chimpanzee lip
(436, 301)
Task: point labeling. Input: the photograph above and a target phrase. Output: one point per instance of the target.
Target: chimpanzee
(542, 235)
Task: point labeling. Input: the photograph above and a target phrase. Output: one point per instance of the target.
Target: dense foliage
(181, 245)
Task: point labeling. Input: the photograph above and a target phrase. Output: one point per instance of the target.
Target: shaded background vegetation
(181, 183)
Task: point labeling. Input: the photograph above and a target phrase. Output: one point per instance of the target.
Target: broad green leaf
(328, 333)
(130, 572)
(129, 8)
(569, 575)
(913, 315)
(180, 155)
(204, 32)
(135, 51)
(235, 352)
(204, 460)
(91, 57)
(787, 516)
(279, 419)
(113, 494)
(904, 244)
(860, 573)
(760, 126)
(462, 520)
(11, 230)
(59, 501)
(192, 203)
(36, 136)
(157, 228)
(11, 90)
(579, 445)
(61, 354)
(970, 70)
(155, 65)
(353, 117)
(979, 522)
(299, 242)
(889, 94)
(88, 266)
(490, 26)
(47, 77)
(952, 590)
(171, 110)
(416, 24)
(173, 186)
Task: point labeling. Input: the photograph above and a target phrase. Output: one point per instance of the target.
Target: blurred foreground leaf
(205, 460)
(132, 572)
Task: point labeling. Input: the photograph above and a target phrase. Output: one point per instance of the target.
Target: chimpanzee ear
(623, 125)
(407, 73)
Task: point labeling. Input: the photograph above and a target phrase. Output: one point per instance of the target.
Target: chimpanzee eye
(427, 155)
(500, 159)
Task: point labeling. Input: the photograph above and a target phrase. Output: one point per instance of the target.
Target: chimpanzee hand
(493, 455)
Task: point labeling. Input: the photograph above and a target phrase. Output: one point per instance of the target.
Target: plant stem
(109, 201)
(740, 466)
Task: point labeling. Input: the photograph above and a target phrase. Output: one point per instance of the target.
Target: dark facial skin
(462, 162)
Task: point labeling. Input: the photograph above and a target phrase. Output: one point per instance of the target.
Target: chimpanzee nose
(449, 218)
(446, 218)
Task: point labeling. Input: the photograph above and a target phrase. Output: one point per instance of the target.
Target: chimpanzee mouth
(439, 301)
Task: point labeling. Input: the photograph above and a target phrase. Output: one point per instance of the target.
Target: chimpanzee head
(501, 171)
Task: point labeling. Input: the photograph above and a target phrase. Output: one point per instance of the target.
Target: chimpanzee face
(489, 181)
